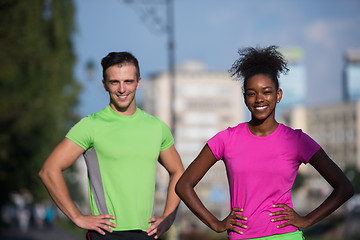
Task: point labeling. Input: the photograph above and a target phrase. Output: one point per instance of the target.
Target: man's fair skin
(121, 83)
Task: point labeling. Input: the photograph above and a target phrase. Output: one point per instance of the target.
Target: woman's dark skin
(261, 97)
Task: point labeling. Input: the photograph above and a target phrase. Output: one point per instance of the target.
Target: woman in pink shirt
(262, 158)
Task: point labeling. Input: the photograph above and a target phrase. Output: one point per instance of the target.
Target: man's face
(121, 83)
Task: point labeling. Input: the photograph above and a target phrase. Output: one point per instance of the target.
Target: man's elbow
(44, 174)
(176, 173)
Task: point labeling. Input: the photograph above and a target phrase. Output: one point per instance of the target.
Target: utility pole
(171, 61)
(148, 11)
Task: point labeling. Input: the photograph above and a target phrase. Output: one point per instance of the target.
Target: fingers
(159, 226)
(152, 220)
(102, 227)
(235, 209)
(282, 205)
(106, 223)
(234, 214)
(240, 217)
(233, 221)
(238, 224)
(288, 215)
(106, 216)
(283, 225)
(99, 223)
(287, 210)
(234, 229)
(151, 231)
(153, 228)
(281, 212)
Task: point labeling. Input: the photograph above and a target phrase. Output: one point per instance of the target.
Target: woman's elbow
(181, 188)
(178, 188)
(349, 190)
(346, 190)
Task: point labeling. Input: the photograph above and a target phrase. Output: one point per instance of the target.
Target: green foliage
(354, 176)
(299, 181)
(38, 92)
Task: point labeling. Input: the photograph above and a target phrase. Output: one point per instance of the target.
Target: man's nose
(121, 87)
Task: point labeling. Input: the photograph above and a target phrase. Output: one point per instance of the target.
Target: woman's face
(261, 97)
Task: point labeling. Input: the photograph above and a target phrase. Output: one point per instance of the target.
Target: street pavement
(55, 233)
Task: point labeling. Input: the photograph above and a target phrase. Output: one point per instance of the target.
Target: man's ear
(138, 83)
(105, 86)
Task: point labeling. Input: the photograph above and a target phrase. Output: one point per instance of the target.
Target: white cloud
(320, 32)
(327, 33)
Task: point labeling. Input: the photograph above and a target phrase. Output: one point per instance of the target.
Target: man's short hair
(120, 58)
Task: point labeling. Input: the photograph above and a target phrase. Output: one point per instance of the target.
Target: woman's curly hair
(258, 60)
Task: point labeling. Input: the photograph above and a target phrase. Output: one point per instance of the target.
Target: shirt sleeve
(82, 134)
(167, 137)
(307, 147)
(217, 144)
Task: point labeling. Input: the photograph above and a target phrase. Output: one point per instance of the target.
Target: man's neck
(131, 110)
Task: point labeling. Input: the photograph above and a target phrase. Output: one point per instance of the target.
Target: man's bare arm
(61, 158)
(171, 161)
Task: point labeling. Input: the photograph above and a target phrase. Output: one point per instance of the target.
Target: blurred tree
(38, 92)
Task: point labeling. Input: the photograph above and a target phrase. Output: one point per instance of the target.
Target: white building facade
(205, 102)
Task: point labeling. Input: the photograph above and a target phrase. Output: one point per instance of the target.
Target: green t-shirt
(121, 156)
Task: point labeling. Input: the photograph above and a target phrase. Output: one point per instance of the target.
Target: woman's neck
(262, 128)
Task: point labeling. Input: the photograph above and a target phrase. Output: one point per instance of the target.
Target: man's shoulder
(148, 116)
(154, 122)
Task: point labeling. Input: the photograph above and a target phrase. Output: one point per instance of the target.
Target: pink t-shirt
(261, 172)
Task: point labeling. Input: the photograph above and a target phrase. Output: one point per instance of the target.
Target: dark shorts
(120, 235)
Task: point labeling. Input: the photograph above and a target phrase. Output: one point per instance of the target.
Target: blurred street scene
(50, 78)
(24, 219)
(37, 234)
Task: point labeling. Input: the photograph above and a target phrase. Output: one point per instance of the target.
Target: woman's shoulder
(238, 127)
(235, 129)
(290, 131)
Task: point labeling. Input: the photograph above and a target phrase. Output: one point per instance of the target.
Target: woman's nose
(259, 98)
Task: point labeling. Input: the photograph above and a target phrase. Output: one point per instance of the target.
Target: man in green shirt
(121, 145)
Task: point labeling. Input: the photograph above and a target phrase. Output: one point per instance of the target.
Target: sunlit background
(50, 76)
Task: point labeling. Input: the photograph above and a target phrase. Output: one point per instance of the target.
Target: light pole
(171, 60)
(149, 14)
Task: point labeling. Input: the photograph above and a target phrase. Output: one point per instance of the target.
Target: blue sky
(212, 31)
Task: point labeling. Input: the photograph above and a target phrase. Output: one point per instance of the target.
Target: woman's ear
(244, 95)
(279, 94)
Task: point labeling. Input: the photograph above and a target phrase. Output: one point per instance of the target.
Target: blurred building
(351, 79)
(337, 129)
(293, 83)
(205, 102)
